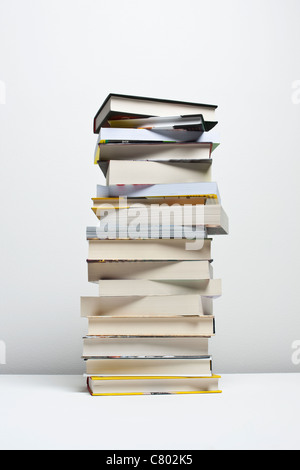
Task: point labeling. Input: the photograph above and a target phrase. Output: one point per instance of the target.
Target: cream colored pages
(140, 172)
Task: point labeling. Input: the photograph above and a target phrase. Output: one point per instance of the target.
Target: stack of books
(151, 251)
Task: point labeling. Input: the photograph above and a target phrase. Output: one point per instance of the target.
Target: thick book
(145, 306)
(203, 326)
(186, 214)
(150, 172)
(123, 386)
(203, 189)
(163, 366)
(152, 151)
(120, 106)
(147, 250)
(130, 346)
(144, 287)
(149, 270)
(176, 219)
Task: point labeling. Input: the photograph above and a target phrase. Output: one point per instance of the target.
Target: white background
(59, 60)
(246, 416)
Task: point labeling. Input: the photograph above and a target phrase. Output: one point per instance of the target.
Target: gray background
(59, 60)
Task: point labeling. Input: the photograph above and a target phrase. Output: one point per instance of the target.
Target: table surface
(255, 411)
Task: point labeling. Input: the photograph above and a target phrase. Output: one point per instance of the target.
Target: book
(126, 346)
(162, 366)
(178, 326)
(156, 152)
(147, 250)
(203, 189)
(155, 232)
(127, 135)
(150, 173)
(149, 270)
(111, 386)
(144, 287)
(178, 219)
(145, 306)
(136, 231)
(119, 106)
(124, 202)
(192, 122)
(187, 212)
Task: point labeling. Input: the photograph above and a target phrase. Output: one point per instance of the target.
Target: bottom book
(151, 385)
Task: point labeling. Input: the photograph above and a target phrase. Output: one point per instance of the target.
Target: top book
(117, 106)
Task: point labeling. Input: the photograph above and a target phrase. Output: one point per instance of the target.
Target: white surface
(258, 411)
(59, 60)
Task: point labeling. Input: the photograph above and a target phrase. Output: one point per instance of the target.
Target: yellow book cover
(151, 385)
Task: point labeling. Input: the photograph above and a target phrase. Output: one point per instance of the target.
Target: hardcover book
(119, 106)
